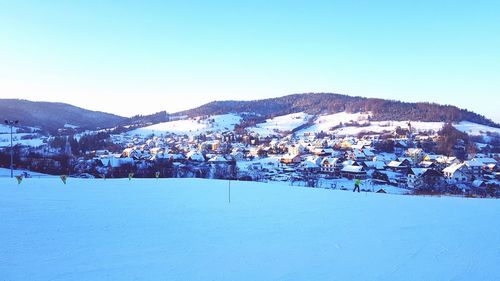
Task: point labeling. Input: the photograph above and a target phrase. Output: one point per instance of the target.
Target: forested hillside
(51, 116)
(326, 103)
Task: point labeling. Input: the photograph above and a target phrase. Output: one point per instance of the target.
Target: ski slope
(192, 126)
(185, 229)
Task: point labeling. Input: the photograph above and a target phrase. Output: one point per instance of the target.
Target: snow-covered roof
(368, 152)
(195, 156)
(115, 161)
(426, 163)
(385, 157)
(394, 164)
(412, 151)
(433, 157)
(352, 169)
(453, 168)
(217, 158)
(289, 156)
(418, 171)
(308, 164)
(474, 163)
(446, 159)
(379, 165)
(485, 160)
(330, 160)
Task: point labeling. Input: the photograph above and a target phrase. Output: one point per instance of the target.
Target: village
(401, 161)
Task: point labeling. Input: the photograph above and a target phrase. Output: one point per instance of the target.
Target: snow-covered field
(475, 129)
(185, 229)
(16, 140)
(381, 126)
(287, 123)
(17, 137)
(282, 123)
(325, 123)
(192, 126)
(6, 173)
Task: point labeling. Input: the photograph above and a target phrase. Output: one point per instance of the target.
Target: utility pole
(11, 124)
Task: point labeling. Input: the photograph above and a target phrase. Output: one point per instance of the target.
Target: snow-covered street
(185, 229)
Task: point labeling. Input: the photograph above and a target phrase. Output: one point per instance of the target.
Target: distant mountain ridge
(51, 116)
(329, 103)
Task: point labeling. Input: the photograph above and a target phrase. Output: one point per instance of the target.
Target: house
(323, 151)
(131, 153)
(195, 156)
(329, 165)
(217, 159)
(475, 168)
(419, 178)
(156, 150)
(115, 160)
(375, 165)
(210, 145)
(369, 154)
(479, 184)
(238, 155)
(490, 168)
(485, 160)
(309, 165)
(399, 165)
(432, 157)
(357, 155)
(314, 159)
(399, 147)
(415, 153)
(296, 149)
(456, 173)
(427, 164)
(102, 152)
(380, 177)
(177, 157)
(385, 157)
(445, 160)
(353, 172)
(290, 159)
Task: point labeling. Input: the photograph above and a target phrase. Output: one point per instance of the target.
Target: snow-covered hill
(192, 126)
(277, 125)
(27, 139)
(352, 124)
(185, 229)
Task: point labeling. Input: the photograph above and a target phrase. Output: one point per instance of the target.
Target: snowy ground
(35, 140)
(4, 172)
(326, 122)
(16, 140)
(185, 229)
(287, 123)
(192, 126)
(475, 129)
(284, 123)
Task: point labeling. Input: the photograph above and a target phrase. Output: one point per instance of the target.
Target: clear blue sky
(130, 57)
